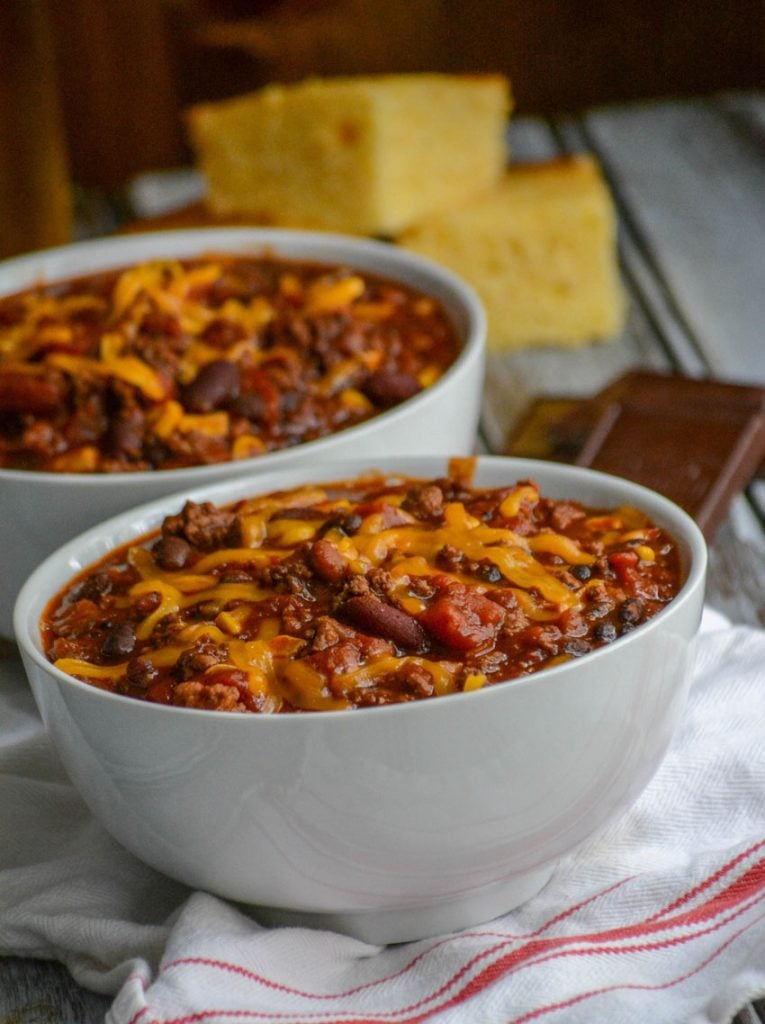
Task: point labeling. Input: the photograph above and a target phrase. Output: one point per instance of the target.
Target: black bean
(490, 573)
(94, 587)
(631, 611)
(605, 631)
(581, 572)
(171, 552)
(120, 642)
(215, 384)
(576, 648)
(347, 524)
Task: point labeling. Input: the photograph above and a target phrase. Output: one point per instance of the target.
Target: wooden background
(127, 70)
(93, 92)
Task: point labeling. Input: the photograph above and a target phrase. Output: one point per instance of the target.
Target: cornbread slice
(362, 154)
(540, 250)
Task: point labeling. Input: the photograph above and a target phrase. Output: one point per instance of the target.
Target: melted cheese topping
(118, 343)
(204, 601)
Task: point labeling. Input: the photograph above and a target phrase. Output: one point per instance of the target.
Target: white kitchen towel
(660, 917)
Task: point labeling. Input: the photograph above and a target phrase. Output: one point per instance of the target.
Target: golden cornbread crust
(540, 250)
(360, 154)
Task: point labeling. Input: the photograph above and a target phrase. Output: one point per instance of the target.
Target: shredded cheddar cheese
(173, 363)
(364, 592)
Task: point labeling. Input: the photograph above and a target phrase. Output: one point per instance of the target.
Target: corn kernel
(170, 416)
(511, 506)
(412, 605)
(353, 399)
(474, 681)
(327, 296)
(291, 532)
(427, 377)
(645, 554)
(138, 373)
(599, 523)
(229, 623)
(424, 307)
(246, 445)
(81, 460)
(290, 286)
(194, 279)
(213, 424)
(52, 334)
(373, 310)
(253, 530)
(633, 535)
(268, 629)
(111, 345)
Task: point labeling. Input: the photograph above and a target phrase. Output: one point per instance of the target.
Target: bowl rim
(131, 524)
(257, 241)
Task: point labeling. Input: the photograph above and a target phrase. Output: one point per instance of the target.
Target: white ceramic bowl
(389, 823)
(42, 510)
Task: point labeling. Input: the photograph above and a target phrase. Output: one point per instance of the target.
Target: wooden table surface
(688, 178)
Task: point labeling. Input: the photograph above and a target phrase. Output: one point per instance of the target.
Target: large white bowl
(42, 510)
(388, 823)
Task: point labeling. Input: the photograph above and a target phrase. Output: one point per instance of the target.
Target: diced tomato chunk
(621, 560)
(161, 692)
(463, 619)
(623, 563)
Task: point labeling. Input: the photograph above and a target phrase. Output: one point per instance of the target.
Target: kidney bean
(327, 562)
(389, 387)
(222, 333)
(31, 393)
(161, 325)
(120, 642)
(371, 615)
(216, 383)
(249, 405)
(125, 435)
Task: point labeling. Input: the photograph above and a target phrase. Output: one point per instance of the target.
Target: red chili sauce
(369, 592)
(184, 363)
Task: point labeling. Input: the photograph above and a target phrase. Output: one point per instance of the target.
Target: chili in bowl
(385, 697)
(360, 593)
(134, 366)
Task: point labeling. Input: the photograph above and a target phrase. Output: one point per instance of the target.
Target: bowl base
(407, 924)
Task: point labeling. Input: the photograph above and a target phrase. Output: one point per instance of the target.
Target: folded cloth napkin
(660, 917)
